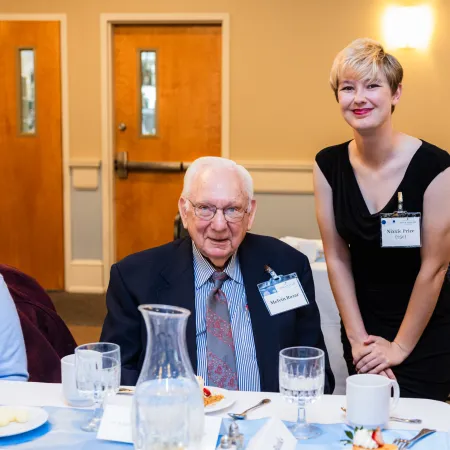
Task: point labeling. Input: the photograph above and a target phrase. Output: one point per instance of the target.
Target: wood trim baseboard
(85, 276)
(276, 165)
(280, 177)
(85, 163)
(85, 178)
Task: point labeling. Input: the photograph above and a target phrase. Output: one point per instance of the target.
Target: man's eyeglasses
(232, 214)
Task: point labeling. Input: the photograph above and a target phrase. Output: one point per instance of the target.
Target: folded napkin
(312, 248)
(333, 434)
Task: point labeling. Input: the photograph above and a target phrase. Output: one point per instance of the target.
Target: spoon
(397, 419)
(243, 415)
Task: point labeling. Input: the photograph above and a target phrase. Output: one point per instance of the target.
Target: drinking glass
(302, 379)
(97, 369)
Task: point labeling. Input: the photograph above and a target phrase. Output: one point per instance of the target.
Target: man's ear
(251, 215)
(182, 208)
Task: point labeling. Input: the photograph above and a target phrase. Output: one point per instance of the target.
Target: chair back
(178, 228)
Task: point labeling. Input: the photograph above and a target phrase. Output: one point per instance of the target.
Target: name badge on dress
(282, 292)
(400, 229)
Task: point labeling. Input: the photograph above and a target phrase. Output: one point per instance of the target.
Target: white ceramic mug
(369, 400)
(69, 385)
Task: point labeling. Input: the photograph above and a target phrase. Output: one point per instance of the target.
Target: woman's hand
(388, 374)
(359, 349)
(380, 356)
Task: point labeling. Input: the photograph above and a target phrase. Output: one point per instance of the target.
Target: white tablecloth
(435, 415)
(330, 322)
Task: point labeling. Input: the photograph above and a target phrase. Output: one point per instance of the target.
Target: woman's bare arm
(338, 264)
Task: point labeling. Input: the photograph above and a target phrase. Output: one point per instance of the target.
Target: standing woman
(393, 298)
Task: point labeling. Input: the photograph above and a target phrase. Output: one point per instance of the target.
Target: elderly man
(215, 273)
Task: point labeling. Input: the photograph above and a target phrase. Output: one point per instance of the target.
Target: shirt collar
(203, 269)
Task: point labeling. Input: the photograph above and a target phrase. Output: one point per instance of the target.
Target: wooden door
(185, 81)
(31, 206)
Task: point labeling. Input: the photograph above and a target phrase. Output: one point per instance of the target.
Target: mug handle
(396, 397)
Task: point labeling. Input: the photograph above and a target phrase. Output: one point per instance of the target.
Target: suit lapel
(252, 268)
(177, 289)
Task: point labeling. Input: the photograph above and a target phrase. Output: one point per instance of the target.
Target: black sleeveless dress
(384, 277)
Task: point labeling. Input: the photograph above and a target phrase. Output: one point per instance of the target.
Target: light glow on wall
(408, 26)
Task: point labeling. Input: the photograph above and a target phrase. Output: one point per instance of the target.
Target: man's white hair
(215, 162)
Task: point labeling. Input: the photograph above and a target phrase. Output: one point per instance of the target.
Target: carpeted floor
(82, 313)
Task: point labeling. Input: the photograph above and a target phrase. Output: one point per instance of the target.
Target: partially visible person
(13, 358)
(394, 299)
(47, 338)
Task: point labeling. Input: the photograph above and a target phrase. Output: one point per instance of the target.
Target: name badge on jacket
(282, 293)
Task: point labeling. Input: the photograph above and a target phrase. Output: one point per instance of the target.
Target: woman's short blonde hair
(366, 58)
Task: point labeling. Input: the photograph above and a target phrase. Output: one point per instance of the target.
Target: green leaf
(349, 434)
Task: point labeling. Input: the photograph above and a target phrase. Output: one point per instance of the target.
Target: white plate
(37, 417)
(228, 399)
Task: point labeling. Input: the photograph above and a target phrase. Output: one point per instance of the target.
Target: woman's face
(366, 104)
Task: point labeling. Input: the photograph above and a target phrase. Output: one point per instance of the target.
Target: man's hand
(381, 355)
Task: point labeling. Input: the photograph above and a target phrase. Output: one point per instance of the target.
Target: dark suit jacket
(165, 275)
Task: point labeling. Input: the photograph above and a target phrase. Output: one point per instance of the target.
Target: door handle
(122, 166)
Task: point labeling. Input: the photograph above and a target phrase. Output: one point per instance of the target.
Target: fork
(407, 443)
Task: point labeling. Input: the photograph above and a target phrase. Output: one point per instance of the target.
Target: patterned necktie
(219, 338)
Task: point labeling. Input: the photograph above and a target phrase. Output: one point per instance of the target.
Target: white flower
(363, 438)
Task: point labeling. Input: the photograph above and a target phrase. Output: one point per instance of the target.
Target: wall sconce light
(408, 26)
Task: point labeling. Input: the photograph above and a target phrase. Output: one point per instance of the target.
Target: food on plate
(367, 439)
(209, 398)
(9, 414)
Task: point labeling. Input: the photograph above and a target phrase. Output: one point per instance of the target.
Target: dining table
(62, 431)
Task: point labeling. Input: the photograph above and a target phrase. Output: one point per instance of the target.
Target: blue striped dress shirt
(241, 325)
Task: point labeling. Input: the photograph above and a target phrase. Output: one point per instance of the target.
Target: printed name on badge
(282, 293)
(400, 231)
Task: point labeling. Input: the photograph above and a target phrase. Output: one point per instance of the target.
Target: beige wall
(281, 52)
(281, 107)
